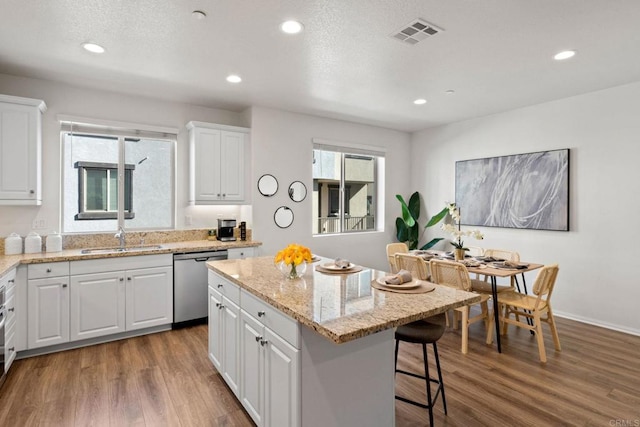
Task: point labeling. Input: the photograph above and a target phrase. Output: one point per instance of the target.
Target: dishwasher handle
(200, 256)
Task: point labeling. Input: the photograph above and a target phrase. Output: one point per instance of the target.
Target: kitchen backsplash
(134, 238)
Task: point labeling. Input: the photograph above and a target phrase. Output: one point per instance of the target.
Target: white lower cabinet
(8, 280)
(257, 351)
(97, 305)
(48, 311)
(149, 297)
(100, 297)
(224, 334)
(270, 375)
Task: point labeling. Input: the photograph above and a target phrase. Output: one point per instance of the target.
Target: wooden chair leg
(507, 313)
(490, 327)
(538, 328)
(485, 313)
(554, 330)
(465, 329)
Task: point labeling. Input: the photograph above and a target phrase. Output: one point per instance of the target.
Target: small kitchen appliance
(225, 230)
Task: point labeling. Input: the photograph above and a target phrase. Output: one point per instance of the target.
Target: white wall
(598, 280)
(282, 146)
(69, 100)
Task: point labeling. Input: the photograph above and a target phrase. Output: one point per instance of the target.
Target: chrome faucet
(120, 235)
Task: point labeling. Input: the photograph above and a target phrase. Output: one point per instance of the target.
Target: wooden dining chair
(532, 307)
(456, 275)
(392, 250)
(418, 267)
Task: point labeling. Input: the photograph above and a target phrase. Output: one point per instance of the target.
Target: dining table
(492, 270)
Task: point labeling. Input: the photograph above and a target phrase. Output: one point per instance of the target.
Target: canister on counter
(32, 243)
(13, 244)
(243, 230)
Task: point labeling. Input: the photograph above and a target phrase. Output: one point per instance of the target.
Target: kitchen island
(338, 367)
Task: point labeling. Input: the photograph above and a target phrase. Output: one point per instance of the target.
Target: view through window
(344, 190)
(92, 164)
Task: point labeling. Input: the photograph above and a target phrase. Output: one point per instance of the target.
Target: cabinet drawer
(10, 303)
(9, 280)
(272, 318)
(240, 253)
(225, 287)
(48, 269)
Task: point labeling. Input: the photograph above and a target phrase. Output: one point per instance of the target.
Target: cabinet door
(230, 314)
(48, 311)
(149, 296)
(215, 327)
(206, 152)
(97, 305)
(252, 367)
(282, 382)
(232, 165)
(240, 253)
(19, 154)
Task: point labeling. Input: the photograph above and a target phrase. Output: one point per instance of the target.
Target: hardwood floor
(166, 379)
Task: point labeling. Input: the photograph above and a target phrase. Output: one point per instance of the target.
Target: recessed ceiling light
(198, 14)
(450, 92)
(420, 101)
(233, 78)
(93, 48)
(291, 27)
(566, 54)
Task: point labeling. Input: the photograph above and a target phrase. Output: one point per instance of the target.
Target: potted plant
(457, 233)
(407, 227)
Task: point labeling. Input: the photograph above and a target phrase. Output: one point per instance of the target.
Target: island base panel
(350, 384)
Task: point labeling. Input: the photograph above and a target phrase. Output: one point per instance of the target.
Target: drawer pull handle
(218, 304)
(12, 281)
(219, 285)
(261, 313)
(64, 285)
(129, 278)
(12, 349)
(122, 279)
(48, 270)
(258, 338)
(221, 307)
(12, 309)
(263, 342)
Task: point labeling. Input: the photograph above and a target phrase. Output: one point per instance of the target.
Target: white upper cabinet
(20, 150)
(217, 163)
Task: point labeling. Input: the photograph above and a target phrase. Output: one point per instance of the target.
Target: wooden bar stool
(424, 332)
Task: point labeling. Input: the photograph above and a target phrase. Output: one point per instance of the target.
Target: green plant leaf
(402, 231)
(437, 218)
(431, 244)
(414, 206)
(406, 214)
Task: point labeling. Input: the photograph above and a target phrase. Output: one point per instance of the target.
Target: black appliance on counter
(225, 230)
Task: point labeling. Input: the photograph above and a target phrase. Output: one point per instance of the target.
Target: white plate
(407, 285)
(332, 266)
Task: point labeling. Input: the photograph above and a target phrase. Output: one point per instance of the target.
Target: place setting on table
(402, 282)
(338, 266)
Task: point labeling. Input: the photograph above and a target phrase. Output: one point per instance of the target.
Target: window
(98, 190)
(117, 175)
(345, 188)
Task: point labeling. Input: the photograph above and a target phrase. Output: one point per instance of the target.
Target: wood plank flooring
(165, 379)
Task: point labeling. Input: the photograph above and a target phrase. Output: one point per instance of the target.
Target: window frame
(83, 213)
(349, 150)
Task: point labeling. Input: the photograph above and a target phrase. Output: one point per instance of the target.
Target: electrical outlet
(187, 220)
(39, 224)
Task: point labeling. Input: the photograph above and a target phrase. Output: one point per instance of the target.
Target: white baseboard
(594, 322)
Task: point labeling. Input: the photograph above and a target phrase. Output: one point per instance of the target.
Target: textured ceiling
(495, 54)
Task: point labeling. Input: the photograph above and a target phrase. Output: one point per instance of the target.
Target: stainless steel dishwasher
(190, 286)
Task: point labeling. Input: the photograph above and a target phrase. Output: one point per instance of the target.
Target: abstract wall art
(518, 191)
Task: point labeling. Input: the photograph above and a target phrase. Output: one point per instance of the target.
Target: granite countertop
(8, 262)
(340, 307)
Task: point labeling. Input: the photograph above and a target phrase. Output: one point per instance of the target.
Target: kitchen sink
(115, 250)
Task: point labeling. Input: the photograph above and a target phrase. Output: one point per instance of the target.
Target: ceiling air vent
(416, 31)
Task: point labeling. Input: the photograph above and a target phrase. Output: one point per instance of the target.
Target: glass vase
(292, 271)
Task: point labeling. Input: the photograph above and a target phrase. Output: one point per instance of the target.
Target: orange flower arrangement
(293, 255)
